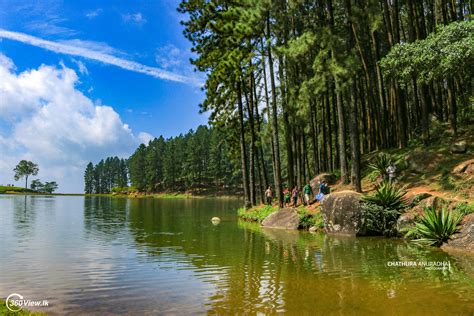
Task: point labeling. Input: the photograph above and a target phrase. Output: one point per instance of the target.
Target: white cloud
(99, 47)
(56, 125)
(169, 56)
(136, 18)
(86, 52)
(145, 137)
(93, 14)
(50, 27)
(81, 66)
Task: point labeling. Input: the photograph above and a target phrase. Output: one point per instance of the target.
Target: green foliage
(446, 181)
(47, 187)
(36, 185)
(89, 179)
(24, 169)
(257, 214)
(464, 208)
(107, 174)
(198, 159)
(120, 189)
(5, 188)
(378, 166)
(308, 220)
(379, 220)
(436, 226)
(387, 196)
(50, 187)
(4, 311)
(443, 54)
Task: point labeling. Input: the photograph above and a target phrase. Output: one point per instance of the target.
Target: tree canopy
(25, 169)
(295, 88)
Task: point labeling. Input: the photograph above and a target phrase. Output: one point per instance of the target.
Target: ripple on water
(117, 256)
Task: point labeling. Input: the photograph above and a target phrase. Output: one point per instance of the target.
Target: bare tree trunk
(243, 151)
(355, 143)
(278, 186)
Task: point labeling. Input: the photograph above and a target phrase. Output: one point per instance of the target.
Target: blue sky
(81, 80)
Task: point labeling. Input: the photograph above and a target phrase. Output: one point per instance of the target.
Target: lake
(107, 256)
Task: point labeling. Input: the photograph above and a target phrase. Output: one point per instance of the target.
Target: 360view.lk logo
(16, 302)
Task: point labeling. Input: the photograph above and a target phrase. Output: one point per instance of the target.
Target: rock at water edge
(342, 213)
(285, 218)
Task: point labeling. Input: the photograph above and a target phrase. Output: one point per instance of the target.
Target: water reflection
(106, 217)
(25, 210)
(149, 256)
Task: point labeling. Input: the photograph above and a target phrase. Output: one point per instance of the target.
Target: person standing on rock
(391, 170)
(294, 195)
(307, 191)
(323, 190)
(286, 196)
(269, 195)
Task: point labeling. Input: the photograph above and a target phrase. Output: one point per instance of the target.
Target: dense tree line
(106, 175)
(313, 85)
(200, 159)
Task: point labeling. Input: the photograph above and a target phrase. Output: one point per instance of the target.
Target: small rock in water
(313, 229)
(215, 220)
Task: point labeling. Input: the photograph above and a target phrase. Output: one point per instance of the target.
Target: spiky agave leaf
(379, 165)
(388, 196)
(437, 226)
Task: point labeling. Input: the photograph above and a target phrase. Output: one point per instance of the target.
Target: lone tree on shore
(24, 169)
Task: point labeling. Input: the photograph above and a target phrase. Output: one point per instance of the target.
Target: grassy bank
(308, 218)
(169, 195)
(5, 311)
(13, 190)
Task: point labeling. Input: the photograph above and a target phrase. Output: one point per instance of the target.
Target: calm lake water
(107, 256)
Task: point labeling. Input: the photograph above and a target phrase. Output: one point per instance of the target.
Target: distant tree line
(200, 159)
(47, 187)
(107, 174)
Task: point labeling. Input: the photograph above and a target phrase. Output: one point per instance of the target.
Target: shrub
(436, 226)
(257, 214)
(464, 208)
(446, 182)
(308, 220)
(119, 190)
(388, 196)
(379, 220)
(379, 165)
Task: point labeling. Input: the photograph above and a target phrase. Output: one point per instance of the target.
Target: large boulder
(330, 178)
(285, 218)
(342, 213)
(459, 147)
(464, 239)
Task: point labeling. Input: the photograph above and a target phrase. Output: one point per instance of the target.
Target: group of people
(291, 197)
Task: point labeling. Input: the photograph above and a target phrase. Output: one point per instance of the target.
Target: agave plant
(388, 196)
(379, 165)
(436, 226)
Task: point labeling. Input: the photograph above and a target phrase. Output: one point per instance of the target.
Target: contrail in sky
(88, 53)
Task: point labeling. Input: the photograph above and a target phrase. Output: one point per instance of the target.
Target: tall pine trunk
(275, 136)
(243, 151)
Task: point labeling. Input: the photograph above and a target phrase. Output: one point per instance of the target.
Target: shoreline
(171, 195)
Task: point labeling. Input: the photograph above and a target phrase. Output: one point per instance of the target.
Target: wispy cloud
(168, 56)
(80, 65)
(85, 52)
(49, 27)
(94, 13)
(136, 18)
